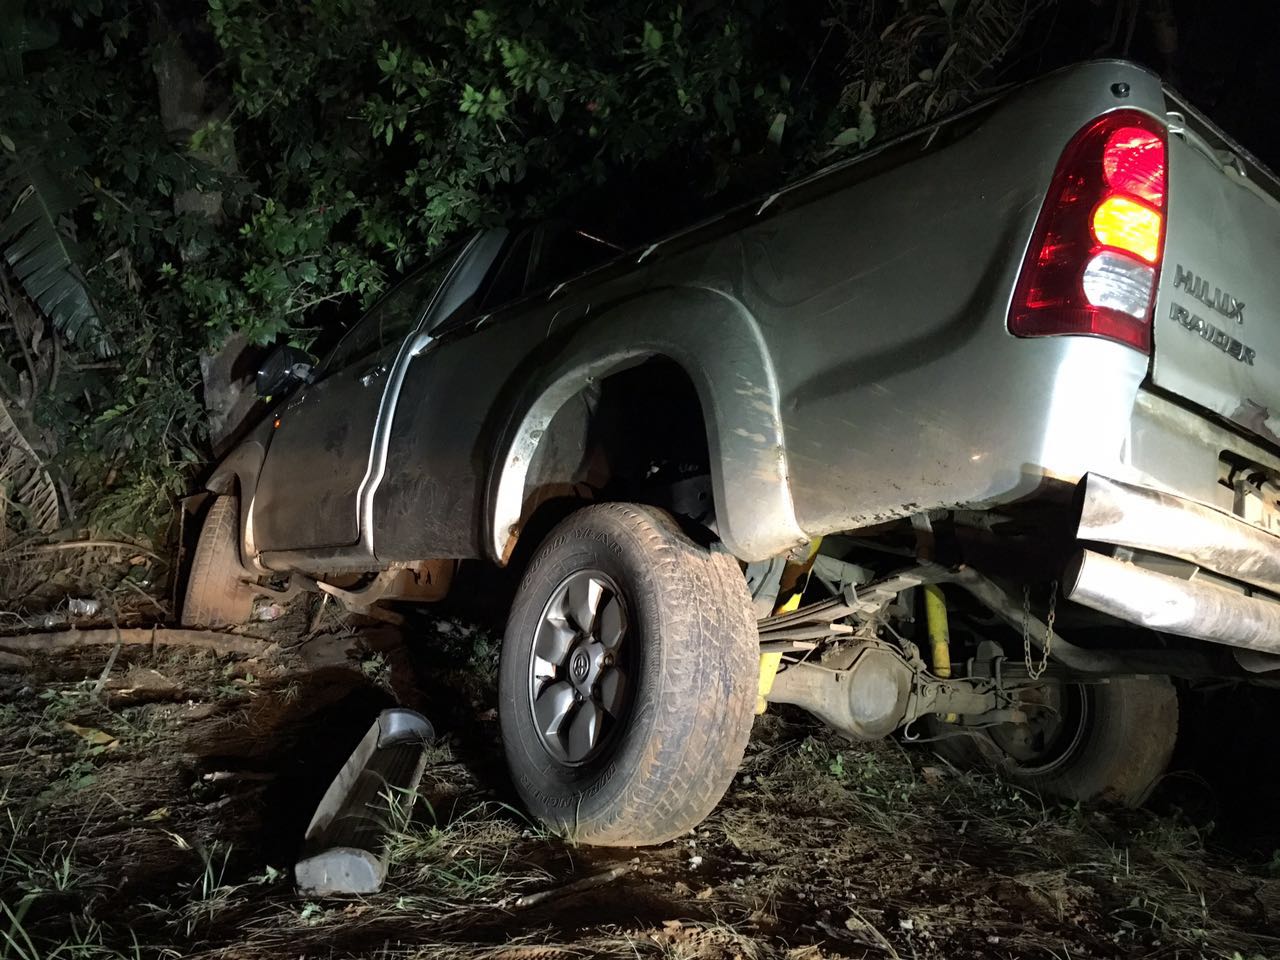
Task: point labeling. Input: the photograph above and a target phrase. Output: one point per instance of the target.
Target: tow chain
(1034, 672)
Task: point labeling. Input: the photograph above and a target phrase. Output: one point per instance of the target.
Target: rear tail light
(1125, 224)
(1133, 162)
(1094, 259)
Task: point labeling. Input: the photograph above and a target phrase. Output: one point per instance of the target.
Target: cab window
(542, 257)
(508, 281)
(563, 252)
(394, 316)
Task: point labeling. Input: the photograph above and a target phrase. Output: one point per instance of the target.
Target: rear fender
(718, 344)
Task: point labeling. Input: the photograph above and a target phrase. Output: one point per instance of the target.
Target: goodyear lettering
(599, 536)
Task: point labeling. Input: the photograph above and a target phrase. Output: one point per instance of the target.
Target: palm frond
(44, 260)
(24, 481)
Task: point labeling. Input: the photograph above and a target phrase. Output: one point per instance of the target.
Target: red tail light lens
(1094, 258)
(1133, 162)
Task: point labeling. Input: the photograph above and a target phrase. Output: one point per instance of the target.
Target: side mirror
(283, 368)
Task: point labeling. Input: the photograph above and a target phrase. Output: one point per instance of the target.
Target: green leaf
(776, 128)
(652, 37)
(846, 137)
(480, 24)
(472, 99)
(43, 258)
(862, 133)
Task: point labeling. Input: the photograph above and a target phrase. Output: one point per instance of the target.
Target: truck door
(323, 452)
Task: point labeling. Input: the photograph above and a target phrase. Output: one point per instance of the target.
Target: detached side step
(345, 846)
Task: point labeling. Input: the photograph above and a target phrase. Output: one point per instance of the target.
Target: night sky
(1225, 57)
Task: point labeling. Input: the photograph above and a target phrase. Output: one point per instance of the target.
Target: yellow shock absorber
(790, 588)
(769, 663)
(935, 619)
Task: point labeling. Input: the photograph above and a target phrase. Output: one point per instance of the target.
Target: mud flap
(345, 846)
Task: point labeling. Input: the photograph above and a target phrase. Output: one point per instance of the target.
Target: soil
(162, 816)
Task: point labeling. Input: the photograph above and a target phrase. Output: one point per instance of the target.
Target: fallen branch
(111, 660)
(569, 889)
(199, 639)
(13, 661)
(35, 548)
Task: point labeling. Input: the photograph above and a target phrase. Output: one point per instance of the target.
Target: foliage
(44, 260)
(25, 484)
(264, 168)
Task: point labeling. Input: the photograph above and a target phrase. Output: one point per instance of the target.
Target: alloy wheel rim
(579, 683)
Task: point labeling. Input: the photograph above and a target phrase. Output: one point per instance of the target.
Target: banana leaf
(44, 259)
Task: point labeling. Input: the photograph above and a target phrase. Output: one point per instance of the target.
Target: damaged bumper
(1182, 568)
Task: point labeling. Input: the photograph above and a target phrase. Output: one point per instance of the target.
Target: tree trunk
(187, 106)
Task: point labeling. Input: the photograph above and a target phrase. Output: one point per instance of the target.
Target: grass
(1154, 879)
(34, 872)
(50, 870)
(465, 858)
(871, 850)
(374, 665)
(83, 942)
(209, 893)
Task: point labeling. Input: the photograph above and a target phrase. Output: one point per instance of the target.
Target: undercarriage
(901, 631)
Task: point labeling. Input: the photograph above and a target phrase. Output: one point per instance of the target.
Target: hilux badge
(1221, 301)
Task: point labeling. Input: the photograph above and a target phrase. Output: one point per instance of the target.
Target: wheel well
(223, 483)
(637, 435)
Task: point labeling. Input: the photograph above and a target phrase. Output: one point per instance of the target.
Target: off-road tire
(217, 595)
(1123, 750)
(678, 747)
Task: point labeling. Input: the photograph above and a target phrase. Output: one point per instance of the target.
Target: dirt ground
(161, 814)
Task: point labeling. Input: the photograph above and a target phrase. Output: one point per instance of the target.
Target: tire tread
(708, 672)
(216, 596)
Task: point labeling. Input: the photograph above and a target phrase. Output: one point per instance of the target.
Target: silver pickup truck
(973, 437)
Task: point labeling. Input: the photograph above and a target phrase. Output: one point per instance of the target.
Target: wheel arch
(717, 347)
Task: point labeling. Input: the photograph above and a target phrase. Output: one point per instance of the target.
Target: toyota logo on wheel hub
(580, 665)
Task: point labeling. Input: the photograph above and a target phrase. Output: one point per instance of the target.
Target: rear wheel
(1099, 741)
(628, 677)
(217, 594)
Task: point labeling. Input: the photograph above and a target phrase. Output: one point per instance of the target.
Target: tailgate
(1217, 318)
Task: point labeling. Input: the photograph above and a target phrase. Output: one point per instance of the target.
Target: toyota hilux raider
(974, 435)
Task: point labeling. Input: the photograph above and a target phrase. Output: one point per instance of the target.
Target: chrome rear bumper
(1239, 611)
(1144, 519)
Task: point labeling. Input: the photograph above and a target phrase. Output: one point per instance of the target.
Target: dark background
(1225, 56)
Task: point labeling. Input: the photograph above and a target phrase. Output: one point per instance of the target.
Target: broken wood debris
(222, 643)
(578, 886)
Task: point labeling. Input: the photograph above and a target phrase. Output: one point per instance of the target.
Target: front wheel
(217, 594)
(1107, 741)
(628, 678)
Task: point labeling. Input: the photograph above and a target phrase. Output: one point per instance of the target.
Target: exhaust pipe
(1187, 608)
